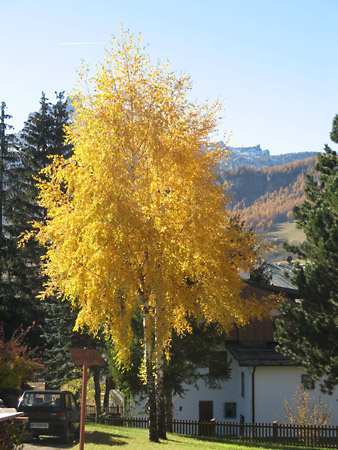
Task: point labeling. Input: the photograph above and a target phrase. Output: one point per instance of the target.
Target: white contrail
(80, 43)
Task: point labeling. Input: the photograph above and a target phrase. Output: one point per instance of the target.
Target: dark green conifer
(334, 132)
(58, 337)
(43, 135)
(8, 249)
(5, 155)
(309, 331)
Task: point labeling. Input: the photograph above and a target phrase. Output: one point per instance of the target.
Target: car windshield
(41, 399)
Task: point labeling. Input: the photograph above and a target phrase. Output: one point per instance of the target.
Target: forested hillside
(266, 197)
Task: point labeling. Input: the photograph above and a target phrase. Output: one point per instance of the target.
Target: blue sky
(273, 62)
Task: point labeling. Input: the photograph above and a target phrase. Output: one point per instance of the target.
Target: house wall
(275, 384)
(272, 386)
(187, 408)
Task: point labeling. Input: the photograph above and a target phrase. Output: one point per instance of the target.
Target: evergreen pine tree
(8, 249)
(5, 142)
(309, 331)
(58, 337)
(41, 136)
(334, 132)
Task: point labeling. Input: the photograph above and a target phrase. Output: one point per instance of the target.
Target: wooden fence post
(213, 427)
(275, 431)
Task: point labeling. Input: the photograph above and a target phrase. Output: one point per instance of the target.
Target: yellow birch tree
(135, 219)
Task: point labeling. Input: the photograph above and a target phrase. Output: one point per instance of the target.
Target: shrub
(11, 435)
(307, 409)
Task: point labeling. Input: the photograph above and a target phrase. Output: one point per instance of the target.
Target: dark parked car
(52, 413)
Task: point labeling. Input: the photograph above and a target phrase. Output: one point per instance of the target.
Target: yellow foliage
(135, 217)
(307, 409)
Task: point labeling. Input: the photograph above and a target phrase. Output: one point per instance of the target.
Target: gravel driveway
(47, 443)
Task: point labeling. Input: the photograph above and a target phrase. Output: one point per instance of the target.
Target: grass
(284, 231)
(288, 231)
(102, 437)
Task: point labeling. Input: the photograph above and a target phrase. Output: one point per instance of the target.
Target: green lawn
(101, 437)
(287, 231)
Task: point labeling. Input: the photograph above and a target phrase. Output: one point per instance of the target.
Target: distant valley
(264, 195)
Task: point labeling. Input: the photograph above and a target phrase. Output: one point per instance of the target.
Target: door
(206, 410)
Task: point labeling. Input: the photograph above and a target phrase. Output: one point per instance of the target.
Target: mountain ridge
(254, 156)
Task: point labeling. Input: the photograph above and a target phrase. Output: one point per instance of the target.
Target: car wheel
(65, 435)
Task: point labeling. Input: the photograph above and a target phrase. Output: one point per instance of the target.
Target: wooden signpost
(85, 357)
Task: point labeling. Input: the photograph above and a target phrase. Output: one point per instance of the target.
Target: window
(307, 383)
(230, 410)
(242, 385)
(40, 398)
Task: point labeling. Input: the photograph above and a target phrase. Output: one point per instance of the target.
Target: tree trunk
(148, 345)
(169, 412)
(109, 387)
(96, 373)
(160, 403)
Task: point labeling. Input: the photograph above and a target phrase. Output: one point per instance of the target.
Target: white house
(261, 378)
